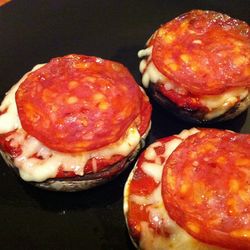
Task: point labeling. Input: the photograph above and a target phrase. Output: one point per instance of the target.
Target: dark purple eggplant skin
(195, 116)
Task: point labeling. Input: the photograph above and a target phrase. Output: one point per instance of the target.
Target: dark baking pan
(32, 32)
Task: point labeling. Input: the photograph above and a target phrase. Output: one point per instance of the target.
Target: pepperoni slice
(78, 103)
(142, 185)
(204, 52)
(206, 187)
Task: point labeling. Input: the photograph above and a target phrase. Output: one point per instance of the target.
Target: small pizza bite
(73, 123)
(191, 191)
(198, 66)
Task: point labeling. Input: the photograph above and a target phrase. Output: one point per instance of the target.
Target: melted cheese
(153, 198)
(32, 168)
(178, 238)
(170, 147)
(156, 173)
(219, 104)
(9, 120)
(186, 133)
(150, 153)
(46, 166)
(216, 104)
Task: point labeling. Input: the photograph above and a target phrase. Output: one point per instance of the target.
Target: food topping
(206, 188)
(78, 103)
(204, 52)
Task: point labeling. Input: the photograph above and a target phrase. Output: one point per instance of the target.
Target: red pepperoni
(186, 101)
(77, 103)
(101, 163)
(7, 146)
(143, 185)
(204, 52)
(206, 187)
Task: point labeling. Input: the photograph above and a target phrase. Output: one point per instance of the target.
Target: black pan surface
(32, 32)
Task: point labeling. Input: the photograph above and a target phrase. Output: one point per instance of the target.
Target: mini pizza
(73, 123)
(191, 191)
(198, 66)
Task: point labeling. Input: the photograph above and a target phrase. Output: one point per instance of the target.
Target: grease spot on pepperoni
(193, 227)
(204, 52)
(72, 100)
(207, 191)
(79, 103)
